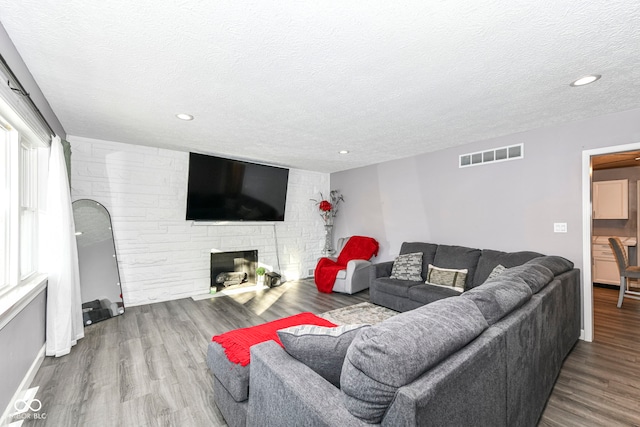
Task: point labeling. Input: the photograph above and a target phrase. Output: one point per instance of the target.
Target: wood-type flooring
(147, 367)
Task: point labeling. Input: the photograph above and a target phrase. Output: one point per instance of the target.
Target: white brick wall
(161, 255)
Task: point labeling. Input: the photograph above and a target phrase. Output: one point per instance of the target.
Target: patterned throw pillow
(447, 277)
(407, 267)
(498, 270)
(320, 348)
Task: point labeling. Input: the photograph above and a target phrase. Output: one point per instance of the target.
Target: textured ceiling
(293, 82)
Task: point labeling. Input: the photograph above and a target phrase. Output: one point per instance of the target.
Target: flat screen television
(230, 190)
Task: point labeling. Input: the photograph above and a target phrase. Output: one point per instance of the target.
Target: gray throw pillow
(320, 348)
(497, 270)
(407, 267)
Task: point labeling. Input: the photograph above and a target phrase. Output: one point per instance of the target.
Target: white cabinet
(605, 269)
(611, 199)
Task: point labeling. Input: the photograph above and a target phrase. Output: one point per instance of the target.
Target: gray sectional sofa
(488, 356)
(403, 295)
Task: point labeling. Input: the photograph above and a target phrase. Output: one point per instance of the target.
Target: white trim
(24, 385)
(20, 112)
(587, 284)
(16, 117)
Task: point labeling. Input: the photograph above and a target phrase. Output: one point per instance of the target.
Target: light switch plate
(559, 227)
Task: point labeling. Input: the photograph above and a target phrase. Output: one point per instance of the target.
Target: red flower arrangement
(329, 209)
(325, 206)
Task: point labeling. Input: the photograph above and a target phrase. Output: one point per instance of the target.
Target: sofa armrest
(357, 275)
(285, 392)
(476, 375)
(382, 269)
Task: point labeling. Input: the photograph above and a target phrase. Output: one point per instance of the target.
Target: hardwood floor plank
(100, 408)
(133, 372)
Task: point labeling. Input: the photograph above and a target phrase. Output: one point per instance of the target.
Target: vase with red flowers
(328, 209)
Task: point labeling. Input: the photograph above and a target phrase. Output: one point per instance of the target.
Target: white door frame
(587, 288)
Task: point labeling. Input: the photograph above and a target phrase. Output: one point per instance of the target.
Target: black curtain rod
(19, 89)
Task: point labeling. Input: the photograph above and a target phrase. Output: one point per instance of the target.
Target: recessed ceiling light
(78, 233)
(586, 80)
(344, 152)
(183, 116)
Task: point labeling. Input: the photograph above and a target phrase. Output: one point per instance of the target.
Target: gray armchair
(355, 277)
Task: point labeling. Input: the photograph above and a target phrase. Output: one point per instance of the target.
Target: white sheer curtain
(64, 303)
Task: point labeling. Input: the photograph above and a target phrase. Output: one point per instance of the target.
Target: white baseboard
(5, 420)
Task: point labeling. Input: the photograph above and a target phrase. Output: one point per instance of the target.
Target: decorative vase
(328, 240)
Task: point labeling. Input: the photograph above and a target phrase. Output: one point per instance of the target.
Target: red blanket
(357, 247)
(237, 343)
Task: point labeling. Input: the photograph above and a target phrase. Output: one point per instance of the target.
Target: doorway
(587, 230)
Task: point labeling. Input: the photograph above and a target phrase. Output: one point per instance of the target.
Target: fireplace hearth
(233, 269)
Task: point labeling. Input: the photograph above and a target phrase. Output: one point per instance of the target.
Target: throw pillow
(320, 348)
(497, 270)
(448, 277)
(407, 267)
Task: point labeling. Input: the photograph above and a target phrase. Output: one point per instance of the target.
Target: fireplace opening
(233, 269)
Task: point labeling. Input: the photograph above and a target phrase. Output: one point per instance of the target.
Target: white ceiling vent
(502, 154)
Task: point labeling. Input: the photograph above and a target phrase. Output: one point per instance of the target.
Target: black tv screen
(230, 190)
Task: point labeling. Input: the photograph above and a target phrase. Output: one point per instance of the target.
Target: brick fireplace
(232, 269)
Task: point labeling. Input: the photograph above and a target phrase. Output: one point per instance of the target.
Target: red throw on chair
(357, 247)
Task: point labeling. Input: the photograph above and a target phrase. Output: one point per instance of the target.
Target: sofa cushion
(448, 277)
(490, 259)
(394, 286)
(395, 352)
(342, 274)
(458, 257)
(534, 275)
(499, 297)
(556, 264)
(407, 267)
(428, 253)
(320, 348)
(427, 294)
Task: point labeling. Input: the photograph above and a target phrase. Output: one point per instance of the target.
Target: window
(4, 211)
(28, 210)
(22, 170)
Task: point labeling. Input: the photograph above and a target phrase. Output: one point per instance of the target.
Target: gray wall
(20, 340)
(506, 206)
